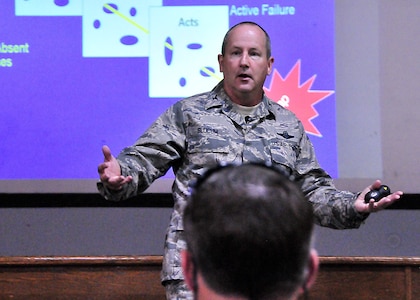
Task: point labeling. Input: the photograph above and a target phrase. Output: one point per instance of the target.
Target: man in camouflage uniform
(233, 123)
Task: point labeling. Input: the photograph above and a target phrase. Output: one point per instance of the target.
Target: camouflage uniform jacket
(204, 130)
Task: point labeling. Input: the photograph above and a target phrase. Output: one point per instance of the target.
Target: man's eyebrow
(242, 48)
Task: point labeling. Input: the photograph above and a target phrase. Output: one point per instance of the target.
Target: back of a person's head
(248, 229)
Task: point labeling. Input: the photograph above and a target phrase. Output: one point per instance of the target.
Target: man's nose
(244, 60)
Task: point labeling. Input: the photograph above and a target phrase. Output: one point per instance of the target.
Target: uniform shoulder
(279, 109)
(199, 101)
(193, 99)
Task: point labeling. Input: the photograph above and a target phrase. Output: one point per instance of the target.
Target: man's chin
(245, 88)
(242, 88)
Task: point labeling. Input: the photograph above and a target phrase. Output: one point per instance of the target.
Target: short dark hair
(248, 229)
(267, 37)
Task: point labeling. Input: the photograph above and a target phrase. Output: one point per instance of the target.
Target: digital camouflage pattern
(178, 290)
(205, 130)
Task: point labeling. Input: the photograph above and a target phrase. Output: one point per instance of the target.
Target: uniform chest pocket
(284, 153)
(209, 145)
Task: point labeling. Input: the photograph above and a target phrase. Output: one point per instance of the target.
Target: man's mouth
(244, 76)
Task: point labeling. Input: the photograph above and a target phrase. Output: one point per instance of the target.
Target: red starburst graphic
(298, 98)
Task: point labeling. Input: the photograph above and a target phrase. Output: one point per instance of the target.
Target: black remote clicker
(378, 194)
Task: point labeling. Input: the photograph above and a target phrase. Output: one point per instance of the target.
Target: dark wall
(72, 224)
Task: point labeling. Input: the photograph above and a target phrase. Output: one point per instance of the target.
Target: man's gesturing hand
(373, 206)
(110, 171)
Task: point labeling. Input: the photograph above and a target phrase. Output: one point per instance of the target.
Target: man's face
(245, 64)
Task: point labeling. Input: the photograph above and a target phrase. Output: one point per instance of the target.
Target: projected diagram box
(117, 28)
(184, 43)
(48, 8)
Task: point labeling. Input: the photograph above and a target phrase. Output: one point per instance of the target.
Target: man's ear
(220, 60)
(311, 272)
(313, 267)
(187, 268)
(270, 65)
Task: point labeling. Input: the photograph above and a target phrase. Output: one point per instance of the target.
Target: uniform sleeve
(332, 208)
(153, 154)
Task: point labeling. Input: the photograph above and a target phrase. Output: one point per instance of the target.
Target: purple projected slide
(76, 75)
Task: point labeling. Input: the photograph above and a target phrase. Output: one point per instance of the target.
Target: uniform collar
(219, 99)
